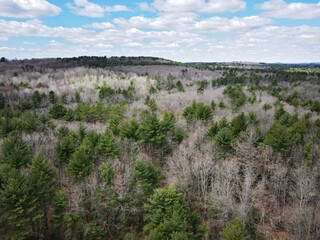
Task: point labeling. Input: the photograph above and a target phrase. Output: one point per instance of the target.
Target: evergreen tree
(147, 177)
(225, 138)
(167, 123)
(107, 145)
(52, 97)
(80, 163)
(57, 111)
(235, 230)
(279, 138)
(213, 105)
(106, 174)
(150, 130)
(41, 180)
(129, 129)
(36, 99)
(18, 213)
(114, 123)
(2, 101)
(64, 148)
(81, 132)
(212, 131)
(179, 86)
(239, 124)
(307, 154)
(15, 152)
(59, 208)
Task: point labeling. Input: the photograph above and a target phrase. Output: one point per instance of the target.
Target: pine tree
(307, 154)
(150, 131)
(106, 174)
(212, 131)
(239, 124)
(41, 180)
(52, 97)
(17, 209)
(235, 230)
(167, 123)
(279, 138)
(129, 129)
(147, 176)
(225, 138)
(107, 145)
(59, 207)
(64, 148)
(57, 111)
(2, 101)
(80, 163)
(15, 152)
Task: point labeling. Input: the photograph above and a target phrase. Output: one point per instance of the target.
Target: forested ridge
(147, 148)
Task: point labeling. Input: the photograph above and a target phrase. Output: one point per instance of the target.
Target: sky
(181, 30)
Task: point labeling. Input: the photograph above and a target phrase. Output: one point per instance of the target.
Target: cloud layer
(28, 9)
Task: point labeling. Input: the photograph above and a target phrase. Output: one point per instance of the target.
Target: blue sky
(182, 30)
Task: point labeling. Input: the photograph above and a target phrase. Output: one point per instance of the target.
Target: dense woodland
(147, 148)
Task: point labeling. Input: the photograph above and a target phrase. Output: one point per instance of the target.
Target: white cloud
(85, 8)
(297, 10)
(116, 8)
(29, 43)
(212, 6)
(54, 43)
(188, 22)
(101, 45)
(28, 9)
(89, 9)
(144, 6)
(100, 25)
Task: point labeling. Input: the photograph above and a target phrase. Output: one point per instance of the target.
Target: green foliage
(150, 130)
(64, 148)
(80, 163)
(213, 105)
(129, 129)
(107, 145)
(36, 99)
(179, 86)
(225, 138)
(15, 152)
(179, 134)
(170, 82)
(279, 138)
(57, 111)
(17, 209)
(235, 230)
(59, 208)
(147, 177)
(2, 101)
(222, 104)
(106, 174)
(167, 217)
(151, 103)
(315, 106)
(197, 111)
(212, 131)
(307, 154)
(266, 107)
(239, 124)
(77, 97)
(236, 94)
(168, 122)
(81, 132)
(252, 118)
(52, 97)
(105, 92)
